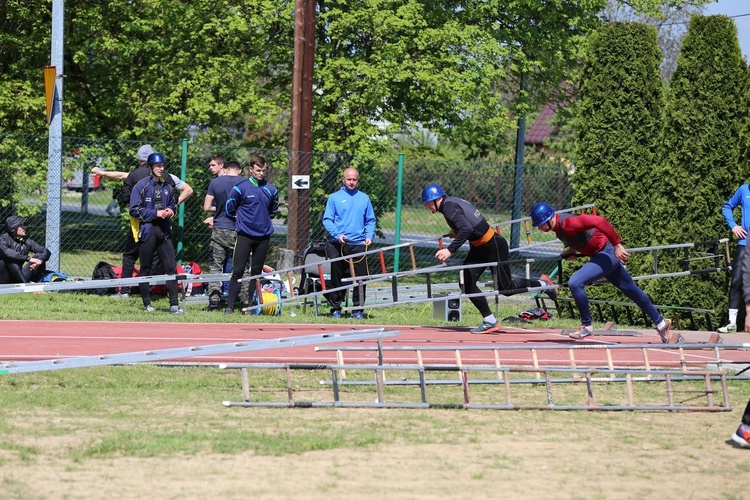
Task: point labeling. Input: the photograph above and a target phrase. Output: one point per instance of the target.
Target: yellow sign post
(50, 73)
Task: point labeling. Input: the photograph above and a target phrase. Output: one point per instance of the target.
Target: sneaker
(176, 310)
(742, 436)
(149, 308)
(486, 327)
(121, 295)
(730, 328)
(211, 308)
(228, 310)
(582, 332)
(664, 332)
(552, 292)
(336, 314)
(358, 315)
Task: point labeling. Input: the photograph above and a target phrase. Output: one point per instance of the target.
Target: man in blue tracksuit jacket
(153, 202)
(251, 209)
(350, 221)
(740, 198)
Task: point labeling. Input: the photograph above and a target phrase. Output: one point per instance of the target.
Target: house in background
(543, 133)
(538, 135)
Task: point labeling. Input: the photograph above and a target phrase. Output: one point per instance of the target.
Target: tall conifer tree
(618, 125)
(701, 163)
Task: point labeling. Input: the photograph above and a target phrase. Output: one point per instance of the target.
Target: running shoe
(149, 308)
(176, 310)
(486, 327)
(358, 315)
(664, 332)
(582, 332)
(336, 314)
(742, 436)
(730, 328)
(551, 292)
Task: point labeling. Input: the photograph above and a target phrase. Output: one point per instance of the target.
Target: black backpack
(103, 271)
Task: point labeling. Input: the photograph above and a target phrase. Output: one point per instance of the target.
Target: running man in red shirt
(594, 236)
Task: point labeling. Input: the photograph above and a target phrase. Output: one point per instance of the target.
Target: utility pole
(300, 149)
(54, 148)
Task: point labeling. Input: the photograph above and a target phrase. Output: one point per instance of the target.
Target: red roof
(541, 129)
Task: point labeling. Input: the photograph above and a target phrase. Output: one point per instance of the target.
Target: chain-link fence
(93, 225)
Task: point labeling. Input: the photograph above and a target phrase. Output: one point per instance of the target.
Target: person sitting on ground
(15, 248)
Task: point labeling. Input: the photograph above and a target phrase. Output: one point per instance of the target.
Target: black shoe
(211, 308)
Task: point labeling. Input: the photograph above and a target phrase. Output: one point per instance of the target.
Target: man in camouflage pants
(223, 232)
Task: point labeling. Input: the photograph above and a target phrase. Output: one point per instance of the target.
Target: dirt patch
(523, 454)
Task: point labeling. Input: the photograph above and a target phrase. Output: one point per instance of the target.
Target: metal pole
(399, 196)
(181, 210)
(54, 151)
(515, 229)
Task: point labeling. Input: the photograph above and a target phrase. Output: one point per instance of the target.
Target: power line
(686, 22)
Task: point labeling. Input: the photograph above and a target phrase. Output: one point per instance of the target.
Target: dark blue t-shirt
(220, 188)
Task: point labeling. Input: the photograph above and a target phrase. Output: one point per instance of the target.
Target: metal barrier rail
(160, 355)
(587, 376)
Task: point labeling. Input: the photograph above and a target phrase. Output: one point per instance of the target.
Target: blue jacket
(349, 213)
(741, 197)
(248, 206)
(143, 210)
(270, 192)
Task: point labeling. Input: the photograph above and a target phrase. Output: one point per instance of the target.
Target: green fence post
(399, 193)
(181, 210)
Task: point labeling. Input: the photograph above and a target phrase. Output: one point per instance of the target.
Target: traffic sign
(300, 182)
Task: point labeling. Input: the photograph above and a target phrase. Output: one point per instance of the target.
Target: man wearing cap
(130, 254)
(16, 265)
(152, 203)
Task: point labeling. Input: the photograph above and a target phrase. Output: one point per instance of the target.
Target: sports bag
(103, 271)
(536, 313)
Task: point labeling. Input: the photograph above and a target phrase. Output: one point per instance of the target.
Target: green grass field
(146, 431)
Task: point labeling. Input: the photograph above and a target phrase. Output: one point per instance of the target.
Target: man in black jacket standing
(130, 254)
(16, 265)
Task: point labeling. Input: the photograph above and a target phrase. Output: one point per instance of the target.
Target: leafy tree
(161, 69)
(702, 161)
(155, 70)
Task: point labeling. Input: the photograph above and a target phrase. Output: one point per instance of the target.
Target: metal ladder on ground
(535, 354)
(714, 393)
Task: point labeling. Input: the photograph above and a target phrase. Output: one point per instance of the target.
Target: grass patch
(149, 411)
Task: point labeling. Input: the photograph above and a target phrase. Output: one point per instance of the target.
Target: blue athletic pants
(605, 265)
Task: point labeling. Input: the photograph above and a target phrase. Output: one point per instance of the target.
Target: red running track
(45, 340)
